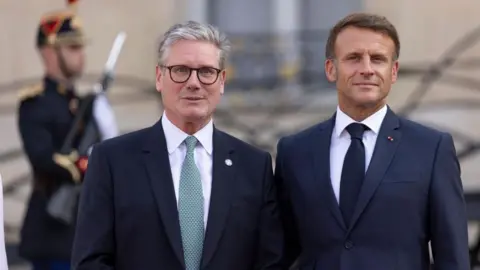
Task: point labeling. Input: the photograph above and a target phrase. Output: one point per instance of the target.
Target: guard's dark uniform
(45, 115)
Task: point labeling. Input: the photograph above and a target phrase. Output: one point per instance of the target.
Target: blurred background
(276, 83)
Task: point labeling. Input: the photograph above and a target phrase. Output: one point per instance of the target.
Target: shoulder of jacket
(31, 91)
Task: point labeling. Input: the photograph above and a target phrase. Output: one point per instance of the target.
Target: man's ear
(158, 78)
(48, 54)
(330, 70)
(222, 81)
(395, 71)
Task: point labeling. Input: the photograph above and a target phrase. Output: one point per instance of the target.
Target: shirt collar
(61, 88)
(373, 122)
(175, 136)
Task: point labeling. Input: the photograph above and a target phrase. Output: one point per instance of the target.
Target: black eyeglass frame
(190, 69)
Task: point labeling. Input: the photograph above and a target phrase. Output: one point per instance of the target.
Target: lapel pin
(390, 138)
(228, 162)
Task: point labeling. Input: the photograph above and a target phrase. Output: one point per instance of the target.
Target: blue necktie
(353, 171)
(190, 208)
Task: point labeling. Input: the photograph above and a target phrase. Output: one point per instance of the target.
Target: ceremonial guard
(46, 115)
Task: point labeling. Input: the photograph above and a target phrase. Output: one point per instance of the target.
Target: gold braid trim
(69, 39)
(67, 162)
(31, 91)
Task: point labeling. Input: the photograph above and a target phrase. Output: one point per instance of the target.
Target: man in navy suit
(180, 194)
(366, 189)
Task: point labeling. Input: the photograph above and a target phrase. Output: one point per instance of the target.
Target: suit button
(349, 245)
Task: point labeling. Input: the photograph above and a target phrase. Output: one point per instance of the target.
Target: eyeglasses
(181, 74)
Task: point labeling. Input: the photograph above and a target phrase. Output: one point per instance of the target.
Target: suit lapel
(158, 166)
(321, 167)
(387, 142)
(223, 177)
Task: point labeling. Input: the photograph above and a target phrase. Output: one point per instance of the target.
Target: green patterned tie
(190, 208)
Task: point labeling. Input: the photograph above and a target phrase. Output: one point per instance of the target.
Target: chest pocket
(403, 176)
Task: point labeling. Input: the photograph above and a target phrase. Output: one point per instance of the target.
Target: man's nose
(193, 81)
(366, 68)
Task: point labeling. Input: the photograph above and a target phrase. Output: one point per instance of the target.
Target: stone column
(286, 16)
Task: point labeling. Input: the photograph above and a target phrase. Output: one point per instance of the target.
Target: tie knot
(191, 142)
(356, 130)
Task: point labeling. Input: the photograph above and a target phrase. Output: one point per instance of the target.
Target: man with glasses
(181, 194)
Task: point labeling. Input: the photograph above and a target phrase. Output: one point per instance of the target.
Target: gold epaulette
(31, 91)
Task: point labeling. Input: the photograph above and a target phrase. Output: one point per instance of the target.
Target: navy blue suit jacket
(412, 194)
(128, 215)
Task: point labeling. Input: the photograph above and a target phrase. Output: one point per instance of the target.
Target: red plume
(50, 27)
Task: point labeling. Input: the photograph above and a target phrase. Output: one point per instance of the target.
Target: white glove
(104, 117)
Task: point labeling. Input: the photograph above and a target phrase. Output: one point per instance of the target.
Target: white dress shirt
(3, 253)
(340, 142)
(177, 151)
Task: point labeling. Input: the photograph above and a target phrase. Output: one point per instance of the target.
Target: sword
(110, 64)
(90, 133)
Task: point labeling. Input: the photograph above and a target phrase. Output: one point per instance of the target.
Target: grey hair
(192, 30)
